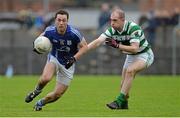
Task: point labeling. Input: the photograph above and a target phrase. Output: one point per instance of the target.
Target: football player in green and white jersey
(128, 38)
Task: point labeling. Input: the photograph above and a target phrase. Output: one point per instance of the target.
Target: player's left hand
(69, 62)
(111, 42)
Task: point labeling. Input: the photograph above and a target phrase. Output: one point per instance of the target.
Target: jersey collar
(67, 30)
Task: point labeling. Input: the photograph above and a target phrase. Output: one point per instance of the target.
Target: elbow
(135, 50)
(86, 48)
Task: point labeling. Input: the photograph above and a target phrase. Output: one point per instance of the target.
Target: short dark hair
(62, 12)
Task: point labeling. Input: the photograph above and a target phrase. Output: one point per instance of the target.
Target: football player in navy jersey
(68, 45)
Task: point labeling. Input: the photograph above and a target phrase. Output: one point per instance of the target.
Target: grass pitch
(87, 96)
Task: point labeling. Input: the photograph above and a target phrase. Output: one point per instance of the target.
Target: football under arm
(96, 43)
(83, 48)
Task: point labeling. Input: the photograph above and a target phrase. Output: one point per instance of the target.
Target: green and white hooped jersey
(131, 33)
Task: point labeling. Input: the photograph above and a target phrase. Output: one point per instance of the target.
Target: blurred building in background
(21, 21)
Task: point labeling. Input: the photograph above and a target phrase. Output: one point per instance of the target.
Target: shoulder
(133, 24)
(74, 31)
(109, 32)
(49, 31)
(133, 27)
(51, 28)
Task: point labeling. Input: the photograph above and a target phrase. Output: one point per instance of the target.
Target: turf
(88, 94)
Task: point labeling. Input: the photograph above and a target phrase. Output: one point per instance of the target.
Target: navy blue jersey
(63, 45)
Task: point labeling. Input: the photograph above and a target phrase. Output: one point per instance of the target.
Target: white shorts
(63, 75)
(147, 57)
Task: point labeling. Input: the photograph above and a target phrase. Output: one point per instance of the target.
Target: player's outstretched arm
(96, 43)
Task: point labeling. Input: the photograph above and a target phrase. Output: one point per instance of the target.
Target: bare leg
(123, 78)
(46, 76)
(128, 76)
(48, 72)
(56, 94)
(51, 97)
(130, 73)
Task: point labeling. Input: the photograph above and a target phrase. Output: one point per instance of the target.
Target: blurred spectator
(149, 24)
(9, 71)
(143, 21)
(175, 17)
(26, 17)
(164, 18)
(151, 28)
(39, 22)
(104, 16)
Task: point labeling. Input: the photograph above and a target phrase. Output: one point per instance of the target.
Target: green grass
(87, 96)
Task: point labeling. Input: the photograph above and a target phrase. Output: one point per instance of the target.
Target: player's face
(61, 22)
(116, 21)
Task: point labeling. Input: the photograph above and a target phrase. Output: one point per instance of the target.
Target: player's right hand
(35, 50)
(111, 42)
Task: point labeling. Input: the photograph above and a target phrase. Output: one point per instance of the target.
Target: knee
(53, 96)
(57, 95)
(131, 72)
(45, 78)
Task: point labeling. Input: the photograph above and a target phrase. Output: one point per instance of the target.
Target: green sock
(121, 99)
